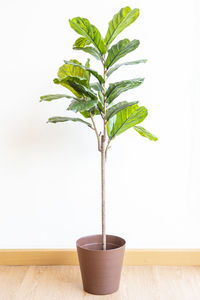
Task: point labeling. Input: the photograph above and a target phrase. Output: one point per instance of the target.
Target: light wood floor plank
(10, 280)
(64, 283)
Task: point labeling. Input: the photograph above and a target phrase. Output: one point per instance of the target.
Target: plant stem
(103, 140)
(103, 191)
(107, 147)
(97, 134)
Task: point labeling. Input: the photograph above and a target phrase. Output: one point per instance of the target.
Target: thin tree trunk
(103, 191)
(103, 163)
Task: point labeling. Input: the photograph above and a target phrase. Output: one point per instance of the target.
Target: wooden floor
(64, 282)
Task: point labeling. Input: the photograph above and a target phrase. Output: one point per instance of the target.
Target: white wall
(50, 174)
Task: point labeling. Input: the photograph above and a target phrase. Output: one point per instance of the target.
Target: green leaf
(79, 80)
(119, 50)
(65, 119)
(74, 71)
(100, 106)
(89, 31)
(93, 72)
(143, 132)
(101, 98)
(82, 105)
(87, 74)
(55, 97)
(81, 42)
(86, 113)
(119, 22)
(125, 119)
(90, 50)
(96, 86)
(71, 70)
(94, 110)
(115, 89)
(113, 110)
(125, 64)
(87, 64)
(76, 84)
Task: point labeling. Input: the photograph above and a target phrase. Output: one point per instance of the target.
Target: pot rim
(101, 250)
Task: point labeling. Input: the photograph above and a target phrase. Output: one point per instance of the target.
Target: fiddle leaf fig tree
(95, 98)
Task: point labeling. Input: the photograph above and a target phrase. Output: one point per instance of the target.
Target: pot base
(100, 269)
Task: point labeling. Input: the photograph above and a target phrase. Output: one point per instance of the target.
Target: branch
(97, 134)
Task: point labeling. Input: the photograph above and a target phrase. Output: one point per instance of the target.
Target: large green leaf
(74, 71)
(100, 105)
(81, 42)
(96, 86)
(93, 72)
(119, 22)
(113, 110)
(90, 50)
(89, 31)
(71, 70)
(143, 132)
(113, 69)
(77, 84)
(65, 119)
(115, 89)
(85, 114)
(79, 80)
(87, 74)
(101, 97)
(93, 111)
(119, 50)
(81, 106)
(125, 119)
(55, 97)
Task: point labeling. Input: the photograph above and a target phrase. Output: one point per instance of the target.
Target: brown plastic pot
(100, 269)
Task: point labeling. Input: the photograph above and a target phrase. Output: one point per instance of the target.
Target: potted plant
(101, 256)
